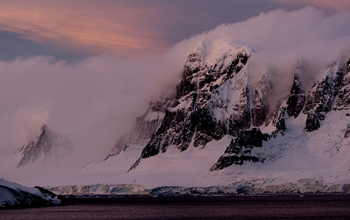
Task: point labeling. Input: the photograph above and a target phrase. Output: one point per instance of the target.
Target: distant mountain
(45, 145)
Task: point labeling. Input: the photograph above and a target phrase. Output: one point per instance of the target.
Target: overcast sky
(77, 29)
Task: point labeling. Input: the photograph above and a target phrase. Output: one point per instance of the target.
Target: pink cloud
(114, 27)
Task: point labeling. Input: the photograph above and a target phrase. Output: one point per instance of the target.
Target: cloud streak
(338, 5)
(89, 27)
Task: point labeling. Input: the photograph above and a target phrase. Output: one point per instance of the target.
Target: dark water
(227, 207)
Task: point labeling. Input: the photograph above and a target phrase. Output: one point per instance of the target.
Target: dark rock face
(296, 99)
(324, 93)
(312, 121)
(280, 122)
(240, 149)
(343, 101)
(322, 96)
(46, 143)
(145, 126)
(347, 132)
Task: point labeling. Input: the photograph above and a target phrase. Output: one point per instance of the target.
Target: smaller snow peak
(206, 69)
(213, 53)
(45, 144)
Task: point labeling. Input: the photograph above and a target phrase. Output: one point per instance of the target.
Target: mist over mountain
(241, 98)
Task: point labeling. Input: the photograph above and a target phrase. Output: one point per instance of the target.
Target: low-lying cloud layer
(92, 101)
(95, 101)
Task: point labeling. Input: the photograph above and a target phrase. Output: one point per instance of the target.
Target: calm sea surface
(215, 207)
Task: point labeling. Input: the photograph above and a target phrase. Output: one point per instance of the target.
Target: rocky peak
(191, 118)
(200, 72)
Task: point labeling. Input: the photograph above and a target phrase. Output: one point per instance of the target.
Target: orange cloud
(110, 27)
(333, 4)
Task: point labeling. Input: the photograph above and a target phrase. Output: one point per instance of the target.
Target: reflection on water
(223, 207)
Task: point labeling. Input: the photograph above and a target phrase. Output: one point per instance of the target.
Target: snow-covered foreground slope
(15, 195)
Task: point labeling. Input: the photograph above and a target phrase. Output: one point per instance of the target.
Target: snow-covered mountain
(220, 98)
(231, 124)
(43, 156)
(45, 145)
(216, 97)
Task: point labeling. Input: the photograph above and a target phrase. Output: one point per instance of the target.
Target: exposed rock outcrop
(240, 149)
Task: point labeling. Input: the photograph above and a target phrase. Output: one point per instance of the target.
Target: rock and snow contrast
(13, 195)
(223, 129)
(45, 145)
(247, 115)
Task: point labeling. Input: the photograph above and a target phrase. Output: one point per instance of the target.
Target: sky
(88, 68)
(70, 30)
